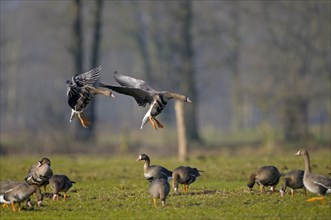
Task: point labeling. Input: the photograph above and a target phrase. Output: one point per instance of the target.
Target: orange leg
(158, 123)
(152, 122)
(5, 205)
(154, 200)
(13, 206)
(316, 198)
(65, 196)
(81, 120)
(185, 188)
(292, 193)
(86, 120)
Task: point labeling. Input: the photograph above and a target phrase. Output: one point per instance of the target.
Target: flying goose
(184, 175)
(20, 193)
(265, 176)
(81, 90)
(315, 183)
(60, 183)
(152, 172)
(294, 180)
(144, 94)
(40, 173)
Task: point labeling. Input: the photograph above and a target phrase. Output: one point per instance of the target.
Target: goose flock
(39, 175)
(81, 90)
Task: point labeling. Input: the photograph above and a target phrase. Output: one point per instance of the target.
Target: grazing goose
(81, 89)
(20, 193)
(265, 176)
(40, 173)
(144, 94)
(7, 185)
(315, 183)
(154, 171)
(60, 183)
(294, 180)
(184, 175)
(159, 188)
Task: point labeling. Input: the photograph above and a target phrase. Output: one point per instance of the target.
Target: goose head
(143, 157)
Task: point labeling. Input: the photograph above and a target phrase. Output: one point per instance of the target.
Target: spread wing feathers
(88, 78)
(131, 82)
(142, 97)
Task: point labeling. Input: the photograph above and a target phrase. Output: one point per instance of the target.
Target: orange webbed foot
(152, 122)
(158, 123)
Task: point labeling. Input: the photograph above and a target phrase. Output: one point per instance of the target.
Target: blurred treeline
(258, 72)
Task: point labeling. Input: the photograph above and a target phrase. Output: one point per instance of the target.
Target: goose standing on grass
(294, 180)
(60, 183)
(81, 90)
(152, 172)
(159, 188)
(144, 94)
(7, 185)
(40, 173)
(315, 183)
(184, 175)
(265, 176)
(20, 193)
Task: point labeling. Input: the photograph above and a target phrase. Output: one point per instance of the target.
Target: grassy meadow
(113, 187)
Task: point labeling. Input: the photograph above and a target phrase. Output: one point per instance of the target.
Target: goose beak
(297, 153)
(39, 164)
(188, 100)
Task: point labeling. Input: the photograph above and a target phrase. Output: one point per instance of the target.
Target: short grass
(114, 188)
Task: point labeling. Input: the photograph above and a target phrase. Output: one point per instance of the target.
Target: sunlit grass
(113, 187)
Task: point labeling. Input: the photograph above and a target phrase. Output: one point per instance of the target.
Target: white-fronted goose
(184, 175)
(40, 173)
(20, 193)
(7, 185)
(144, 94)
(265, 176)
(294, 180)
(315, 183)
(60, 183)
(152, 172)
(159, 188)
(81, 90)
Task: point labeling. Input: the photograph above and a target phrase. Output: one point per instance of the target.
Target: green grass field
(114, 188)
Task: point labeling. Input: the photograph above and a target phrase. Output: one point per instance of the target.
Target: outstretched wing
(142, 97)
(88, 78)
(131, 82)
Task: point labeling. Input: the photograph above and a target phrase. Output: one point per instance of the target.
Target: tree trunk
(296, 120)
(78, 54)
(90, 111)
(187, 71)
(181, 131)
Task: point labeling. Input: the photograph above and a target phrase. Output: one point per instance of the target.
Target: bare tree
(298, 47)
(97, 26)
(184, 46)
(78, 55)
